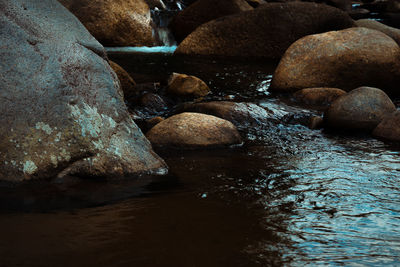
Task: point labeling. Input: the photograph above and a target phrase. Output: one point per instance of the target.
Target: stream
(288, 196)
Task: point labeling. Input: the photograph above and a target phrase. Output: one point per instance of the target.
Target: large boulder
(389, 128)
(61, 113)
(343, 59)
(360, 109)
(203, 11)
(193, 130)
(394, 33)
(265, 32)
(115, 22)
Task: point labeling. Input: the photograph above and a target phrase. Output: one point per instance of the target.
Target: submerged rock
(343, 59)
(61, 110)
(394, 33)
(185, 85)
(203, 11)
(320, 97)
(193, 130)
(389, 128)
(115, 22)
(360, 109)
(127, 83)
(265, 32)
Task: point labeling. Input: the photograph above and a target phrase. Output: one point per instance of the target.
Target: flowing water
(288, 196)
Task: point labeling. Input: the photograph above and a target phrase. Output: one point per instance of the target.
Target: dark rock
(153, 102)
(320, 97)
(127, 83)
(115, 22)
(360, 109)
(256, 3)
(342, 59)
(193, 130)
(203, 11)
(389, 128)
(316, 122)
(265, 32)
(61, 111)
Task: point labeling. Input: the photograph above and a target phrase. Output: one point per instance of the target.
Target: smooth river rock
(115, 22)
(186, 85)
(318, 96)
(61, 112)
(392, 32)
(389, 128)
(265, 32)
(343, 59)
(127, 83)
(360, 109)
(193, 130)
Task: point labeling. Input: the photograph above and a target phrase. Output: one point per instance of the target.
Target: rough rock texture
(394, 33)
(61, 112)
(115, 22)
(360, 109)
(318, 96)
(343, 59)
(203, 11)
(389, 128)
(126, 81)
(265, 32)
(193, 130)
(185, 85)
(242, 115)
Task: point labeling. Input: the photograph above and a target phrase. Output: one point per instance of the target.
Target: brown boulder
(185, 85)
(265, 32)
(203, 11)
(126, 81)
(115, 22)
(193, 130)
(389, 128)
(360, 109)
(318, 96)
(394, 33)
(341, 59)
(61, 112)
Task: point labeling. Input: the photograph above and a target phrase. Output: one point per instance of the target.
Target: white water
(143, 49)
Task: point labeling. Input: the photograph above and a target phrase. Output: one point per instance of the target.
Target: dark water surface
(289, 196)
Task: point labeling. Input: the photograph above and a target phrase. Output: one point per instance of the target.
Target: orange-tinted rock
(203, 11)
(265, 32)
(185, 85)
(394, 33)
(193, 130)
(360, 109)
(389, 128)
(318, 96)
(126, 81)
(115, 22)
(343, 59)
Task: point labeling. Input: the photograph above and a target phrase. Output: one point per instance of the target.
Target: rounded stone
(389, 128)
(127, 83)
(318, 96)
(185, 85)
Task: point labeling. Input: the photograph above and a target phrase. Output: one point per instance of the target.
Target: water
(289, 196)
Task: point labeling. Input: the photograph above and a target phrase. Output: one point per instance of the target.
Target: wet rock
(115, 22)
(193, 130)
(394, 33)
(153, 102)
(320, 97)
(127, 83)
(256, 3)
(203, 11)
(242, 115)
(316, 122)
(343, 59)
(61, 111)
(185, 85)
(360, 109)
(389, 127)
(265, 32)
(150, 123)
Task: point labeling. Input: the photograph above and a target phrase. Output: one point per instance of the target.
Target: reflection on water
(289, 196)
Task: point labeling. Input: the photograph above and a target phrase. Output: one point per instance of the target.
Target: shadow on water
(288, 196)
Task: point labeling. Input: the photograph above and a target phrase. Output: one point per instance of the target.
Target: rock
(127, 83)
(321, 97)
(389, 128)
(115, 22)
(265, 32)
(185, 85)
(242, 115)
(394, 33)
(316, 122)
(203, 11)
(156, 4)
(150, 123)
(360, 109)
(256, 3)
(153, 102)
(193, 130)
(341, 59)
(61, 113)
